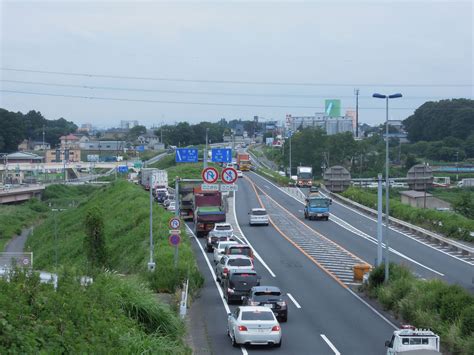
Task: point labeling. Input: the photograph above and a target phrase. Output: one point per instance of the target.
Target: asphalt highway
(324, 317)
(356, 233)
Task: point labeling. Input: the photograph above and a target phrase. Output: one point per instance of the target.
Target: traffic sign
(210, 175)
(186, 155)
(221, 155)
(225, 188)
(123, 168)
(174, 239)
(174, 223)
(210, 187)
(174, 231)
(229, 175)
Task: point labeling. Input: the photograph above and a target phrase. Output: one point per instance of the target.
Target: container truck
(304, 176)
(186, 194)
(208, 210)
(243, 161)
(317, 207)
(469, 182)
(145, 174)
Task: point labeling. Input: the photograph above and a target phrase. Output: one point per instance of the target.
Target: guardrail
(466, 250)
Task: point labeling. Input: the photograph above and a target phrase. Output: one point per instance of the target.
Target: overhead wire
(238, 82)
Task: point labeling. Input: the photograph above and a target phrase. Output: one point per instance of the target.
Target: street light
(387, 182)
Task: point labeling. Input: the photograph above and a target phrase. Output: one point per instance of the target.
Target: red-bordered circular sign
(210, 175)
(174, 239)
(229, 175)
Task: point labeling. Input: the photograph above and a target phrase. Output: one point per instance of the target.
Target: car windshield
(319, 203)
(267, 296)
(240, 251)
(223, 245)
(304, 176)
(240, 262)
(259, 213)
(257, 315)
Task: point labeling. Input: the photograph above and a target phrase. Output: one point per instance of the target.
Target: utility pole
(205, 150)
(379, 220)
(457, 166)
(356, 91)
(291, 133)
(151, 263)
(43, 148)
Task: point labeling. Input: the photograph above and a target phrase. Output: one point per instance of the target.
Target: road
(325, 316)
(355, 232)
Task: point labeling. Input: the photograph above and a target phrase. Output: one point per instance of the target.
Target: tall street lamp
(387, 183)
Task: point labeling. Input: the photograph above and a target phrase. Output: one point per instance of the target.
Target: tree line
(16, 126)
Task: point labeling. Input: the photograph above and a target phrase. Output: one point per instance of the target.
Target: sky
(162, 62)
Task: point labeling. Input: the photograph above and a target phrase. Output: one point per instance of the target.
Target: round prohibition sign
(174, 240)
(174, 223)
(210, 175)
(229, 175)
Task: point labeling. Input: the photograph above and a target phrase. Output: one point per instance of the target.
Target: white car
(240, 173)
(254, 325)
(219, 250)
(258, 216)
(172, 206)
(231, 263)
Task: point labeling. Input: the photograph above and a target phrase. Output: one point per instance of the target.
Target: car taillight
(230, 290)
(226, 270)
(243, 328)
(276, 328)
(281, 303)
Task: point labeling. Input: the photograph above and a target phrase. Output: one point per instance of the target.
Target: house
(62, 155)
(27, 145)
(69, 141)
(422, 199)
(23, 157)
(151, 141)
(41, 146)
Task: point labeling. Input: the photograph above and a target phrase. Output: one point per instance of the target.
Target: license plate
(320, 215)
(261, 330)
(269, 305)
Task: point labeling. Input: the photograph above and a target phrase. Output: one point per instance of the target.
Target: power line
(185, 102)
(232, 81)
(83, 86)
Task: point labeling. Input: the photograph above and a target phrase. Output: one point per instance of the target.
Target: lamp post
(290, 133)
(387, 182)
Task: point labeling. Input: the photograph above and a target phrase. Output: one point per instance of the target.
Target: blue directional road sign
(186, 155)
(220, 155)
(140, 148)
(123, 169)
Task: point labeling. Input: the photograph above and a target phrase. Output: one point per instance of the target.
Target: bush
(467, 321)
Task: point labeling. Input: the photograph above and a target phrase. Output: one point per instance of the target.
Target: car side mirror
(387, 343)
(330, 202)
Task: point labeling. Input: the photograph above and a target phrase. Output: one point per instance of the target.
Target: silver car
(230, 263)
(258, 216)
(253, 325)
(219, 250)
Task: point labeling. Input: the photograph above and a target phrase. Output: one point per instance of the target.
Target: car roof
(240, 245)
(265, 289)
(255, 308)
(227, 242)
(259, 209)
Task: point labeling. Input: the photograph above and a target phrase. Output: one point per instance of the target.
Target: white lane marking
(333, 348)
(221, 294)
(361, 234)
(300, 211)
(372, 308)
(293, 300)
(408, 235)
(257, 255)
(267, 187)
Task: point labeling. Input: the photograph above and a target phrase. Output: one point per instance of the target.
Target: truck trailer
(208, 210)
(243, 161)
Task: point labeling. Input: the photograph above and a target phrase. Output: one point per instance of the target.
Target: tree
(94, 241)
(135, 132)
(410, 161)
(465, 204)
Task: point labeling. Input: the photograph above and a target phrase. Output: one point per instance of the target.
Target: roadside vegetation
(446, 309)
(111, 315)
(450, 224)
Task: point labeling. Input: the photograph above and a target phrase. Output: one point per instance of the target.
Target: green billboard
(333, 108)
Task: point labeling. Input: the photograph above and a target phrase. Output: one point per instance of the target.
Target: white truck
(411, 341)
(156, 176)
(305, 176)
(469, 182)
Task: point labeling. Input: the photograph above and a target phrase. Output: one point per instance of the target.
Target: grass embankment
(13, 218)
(274, 176)
(112, 315)
(447, 310)
(125, 209)
(450, 224)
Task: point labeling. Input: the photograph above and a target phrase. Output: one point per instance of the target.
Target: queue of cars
(256, 320)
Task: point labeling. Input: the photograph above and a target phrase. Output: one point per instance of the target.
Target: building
(102, 145)
(331, 125)
(151, 141)
(26, 145)
(22, 157)
(69, 141)
(85, 128)
(62, 155)
(420, 199)
(128, 124)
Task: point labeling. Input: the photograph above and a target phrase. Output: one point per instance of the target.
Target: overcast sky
(331, 46)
